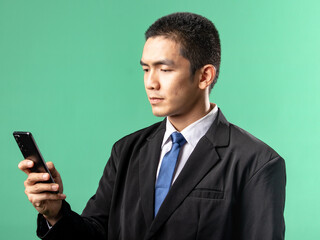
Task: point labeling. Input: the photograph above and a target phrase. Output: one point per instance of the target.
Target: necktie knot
(177, 137)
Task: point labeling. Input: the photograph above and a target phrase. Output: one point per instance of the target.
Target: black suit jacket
(232, 187)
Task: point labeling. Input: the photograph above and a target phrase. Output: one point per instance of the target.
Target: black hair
(197, 35)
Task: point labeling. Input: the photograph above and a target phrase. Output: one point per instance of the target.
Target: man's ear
(207, 75)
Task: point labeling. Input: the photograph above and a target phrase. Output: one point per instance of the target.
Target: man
(192, 176)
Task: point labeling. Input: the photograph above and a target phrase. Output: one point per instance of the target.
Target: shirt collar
(194, 131)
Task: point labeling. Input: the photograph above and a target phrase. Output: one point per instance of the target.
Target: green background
(69, 73)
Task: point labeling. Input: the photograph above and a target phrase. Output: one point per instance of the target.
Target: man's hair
(197, 36)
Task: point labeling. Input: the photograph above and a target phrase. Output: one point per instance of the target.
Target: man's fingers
(42, 187)
(25, 165)
(36, 177)
(36, 199)
(53, 170)
(51, 166)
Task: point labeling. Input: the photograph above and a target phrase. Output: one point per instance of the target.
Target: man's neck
(181, 122)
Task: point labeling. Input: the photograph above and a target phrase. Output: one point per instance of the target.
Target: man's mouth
(155, 100)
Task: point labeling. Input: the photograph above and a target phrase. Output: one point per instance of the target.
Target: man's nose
(152, 80)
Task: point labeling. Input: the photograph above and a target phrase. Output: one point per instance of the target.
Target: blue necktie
(168, 165)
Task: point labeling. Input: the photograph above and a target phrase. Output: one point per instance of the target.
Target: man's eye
(166, 70)
(145, 70)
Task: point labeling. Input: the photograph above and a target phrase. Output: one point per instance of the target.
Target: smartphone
(30, 150)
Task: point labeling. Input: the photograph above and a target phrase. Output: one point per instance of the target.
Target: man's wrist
(53, 220)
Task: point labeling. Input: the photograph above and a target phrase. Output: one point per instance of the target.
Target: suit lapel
(201, 161)
(148, 162)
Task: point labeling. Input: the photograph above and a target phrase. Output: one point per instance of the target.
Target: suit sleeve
(262, 203)
(93, 222)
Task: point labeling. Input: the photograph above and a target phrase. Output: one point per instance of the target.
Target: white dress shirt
(192, 133)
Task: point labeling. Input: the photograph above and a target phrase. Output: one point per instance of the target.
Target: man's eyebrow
(160, 62)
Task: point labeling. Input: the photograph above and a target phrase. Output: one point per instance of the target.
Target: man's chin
(158, 113)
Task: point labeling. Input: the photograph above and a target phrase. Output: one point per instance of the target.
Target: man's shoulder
(250, 151)
(140, 136)
(238, 146)
(238, 140)
(243, 140)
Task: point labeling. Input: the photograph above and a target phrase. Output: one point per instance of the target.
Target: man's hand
(42, 195)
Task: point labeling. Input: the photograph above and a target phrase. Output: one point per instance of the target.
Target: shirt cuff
(49, 225)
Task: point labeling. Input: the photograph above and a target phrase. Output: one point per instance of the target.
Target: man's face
(171, 88)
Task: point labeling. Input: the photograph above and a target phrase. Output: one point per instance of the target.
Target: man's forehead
(161, 50)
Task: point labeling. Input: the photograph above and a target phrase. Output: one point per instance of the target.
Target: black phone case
(30, 150)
